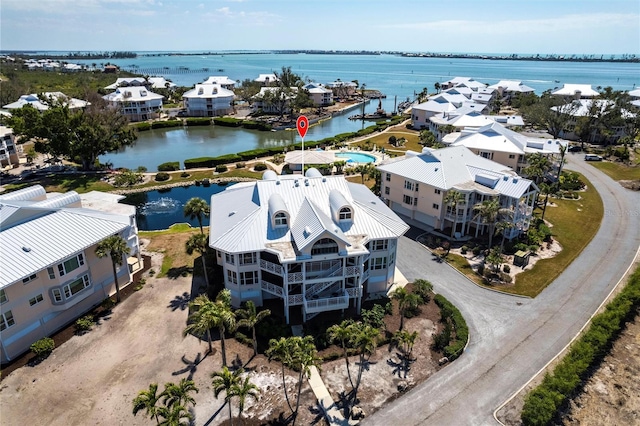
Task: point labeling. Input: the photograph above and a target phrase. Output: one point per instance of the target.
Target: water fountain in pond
(164, 205)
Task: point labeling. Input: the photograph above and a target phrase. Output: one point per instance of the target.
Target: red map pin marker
(302, 124)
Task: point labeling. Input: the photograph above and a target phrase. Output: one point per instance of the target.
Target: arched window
(280, 219)
(324, 246)
(345, 213)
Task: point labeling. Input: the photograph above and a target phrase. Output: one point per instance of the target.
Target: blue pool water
(356, 157)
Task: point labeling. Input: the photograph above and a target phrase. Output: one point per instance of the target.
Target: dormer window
(345, 214)
(280, 220)
(324, 246)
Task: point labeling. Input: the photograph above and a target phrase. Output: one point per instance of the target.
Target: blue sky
(496, 26)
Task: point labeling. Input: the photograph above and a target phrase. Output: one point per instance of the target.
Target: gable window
(70, 264)
(36, 300)
(379, 263)
(324, 246)
(345, 213)
(3, 296)
(249, 278)
(232, 277)
(6, 320)
(247, 258)
(29, 278)
(280, 219)
(231, 259)
(379, 245)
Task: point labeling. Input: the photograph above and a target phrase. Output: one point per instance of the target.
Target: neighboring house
(343, 89)
(484, 96)
(468, 117)
(576, 91)
(266, 79)
(50, 272)
(504, 146)
(579, 108)
(128, 82)
(462, 82)
(296, 159)
(136, 103)
(314, 243)
(415, 186)
(208, 100)
(507, 89)
(439, 104)
(221, 80)
(35, 101)
(8, 153)
(320, 95)
(161, 83)
(635, 97)
(260, 101)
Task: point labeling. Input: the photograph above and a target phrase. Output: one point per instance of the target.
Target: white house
(462, 82)
(442, 103)
(583, 108)
(259, 102)
(320, 95)
(342, 89)
(51, 274)
(9, 156)
(160, 83)
(266, 79)
(136, 102)
(208, 100)
(128, 82)
(635, 97)
(577, 91)
(221, 80)
(313, 243)
(469, 118)
(416, 185)
(507, 89)
(36, 101)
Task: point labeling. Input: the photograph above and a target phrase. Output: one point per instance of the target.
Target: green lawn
(575, 223)
(80, 183)
(382, 141)
(618, 171)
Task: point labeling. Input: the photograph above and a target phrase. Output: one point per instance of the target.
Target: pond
(162, 208)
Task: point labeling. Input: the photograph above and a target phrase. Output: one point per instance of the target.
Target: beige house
(416, 186)
(50, 272)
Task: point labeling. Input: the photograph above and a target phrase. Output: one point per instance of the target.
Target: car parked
(592, 157)
(574, 148)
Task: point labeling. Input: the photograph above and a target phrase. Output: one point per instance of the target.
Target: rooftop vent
(306, 182)
(307, 231)
(231, 213)
(26, 249)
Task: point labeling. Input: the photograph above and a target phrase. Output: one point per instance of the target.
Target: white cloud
(224, 10)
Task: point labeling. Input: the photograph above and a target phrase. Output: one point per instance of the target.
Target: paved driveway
(511, 338)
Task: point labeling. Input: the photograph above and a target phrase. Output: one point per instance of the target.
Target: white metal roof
(208, 91)
(493, 137)
(241, 213)
(571, 89)
(309, 156)
(515, 86)
(126, 82)
(34, 100)
(132, 94)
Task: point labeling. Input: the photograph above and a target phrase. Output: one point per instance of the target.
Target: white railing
(352, 270)
(319, 287)
(327, 304)
(271, 288)
(295, 299)
(354, 292)
(456, 217)
(334, 271)
(295, 277)
(270, 267)
(365, 275)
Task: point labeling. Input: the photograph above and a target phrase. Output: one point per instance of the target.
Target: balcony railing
(354, 292)
(270, 267)
(295, 299)
(271, 288)
(352, 270)
(295, 277)
(327, 304)
(319, 287)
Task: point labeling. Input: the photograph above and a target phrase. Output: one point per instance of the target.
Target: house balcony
(327, 304)
(271, 288)
(274, 268)
(455, 217)
(354, 292)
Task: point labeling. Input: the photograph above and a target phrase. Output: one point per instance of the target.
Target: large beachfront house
(208, 100)
(50, 272)
(316, 243)
(320, 95)
(137, 103)
(416, 186)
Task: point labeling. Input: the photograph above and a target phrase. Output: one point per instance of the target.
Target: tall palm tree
(342, 334)
(490, 211)
(242, 390)
(364, 340)
(197, 208)
(224, 381)
(406, 301)
(179, 394)
(116, 248)
(453, 198)
(250, 318)
(563, 153)
(225, 319)
(147, 400)
(199, 243)
(203, 318)
(281, 350)
(173, 416)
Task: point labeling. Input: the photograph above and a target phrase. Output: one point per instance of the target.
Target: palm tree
(250, 318)
(202, 319)
(197, 208)
(224, 381)
(147, 400)
(364, 340)
(115, 247)
(280, 350)
(179, 394)
(225, 319)
(242, 390)
(199, 243)
(490, 211)
(342, 333)
(452, 199)
(173, 415)
(406, 301)
(563, 153)
(405, 341)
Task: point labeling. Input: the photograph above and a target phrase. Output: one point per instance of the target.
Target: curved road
(512, 338)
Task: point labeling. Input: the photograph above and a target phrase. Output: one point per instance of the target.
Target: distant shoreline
(624, 58)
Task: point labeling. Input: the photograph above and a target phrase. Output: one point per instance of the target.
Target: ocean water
(399, 78)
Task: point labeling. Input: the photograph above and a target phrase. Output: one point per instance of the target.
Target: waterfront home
(208, 100)
(495, 142)
(576, 91)
(442, 103)
(469, 118)
(507, 89)
(581, 108)
(635, 97)
(43, 101)
(342, 89)
(311, 243)
(50, 272)
(462, 82)
(265, 100)
(128, 82)
(416, 185)
(160, 83)
(9, 157)
(221, 80)
(320, 95)
(266, 79)
(137, 103)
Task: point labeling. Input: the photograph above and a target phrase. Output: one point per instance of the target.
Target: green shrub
(141, 127)
(227, 121)
(141, 169)
(184, 175)
(260, 167)
(454, 349)
(221, 168)
(162, 176)
(254, 153)
(43, 347)
(127, 178)
(506, 268)
(165, 124)
(257, 125)
(170, 166)
(442, 339)
(196, 163)
(374, 316)
(84, 324)
(476, 250)
(240, 165)
(423, 288)
(198, 121)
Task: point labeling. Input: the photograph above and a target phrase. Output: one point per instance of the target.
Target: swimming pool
(356, 157)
